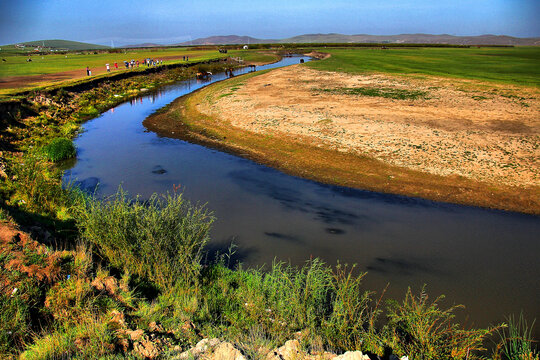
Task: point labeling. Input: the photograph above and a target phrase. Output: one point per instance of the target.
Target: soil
(484, 132)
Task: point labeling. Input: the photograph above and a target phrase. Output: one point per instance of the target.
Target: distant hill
(228, 39)
(362, 38)
(62, 45)
(144, 45)
(414, 39)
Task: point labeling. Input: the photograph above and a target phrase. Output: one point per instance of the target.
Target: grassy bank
(139, 284)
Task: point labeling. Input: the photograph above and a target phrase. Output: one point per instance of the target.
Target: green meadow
(17, 65)
(516, 65)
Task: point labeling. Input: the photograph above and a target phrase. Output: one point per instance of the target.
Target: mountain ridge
(487, 39)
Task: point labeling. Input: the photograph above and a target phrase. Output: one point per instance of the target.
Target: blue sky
(165, 21)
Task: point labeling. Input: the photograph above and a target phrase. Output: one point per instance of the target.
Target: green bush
(59, 149)
(423, 331)
(161, 239)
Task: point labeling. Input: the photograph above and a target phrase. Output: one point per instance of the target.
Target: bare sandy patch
(484, 132)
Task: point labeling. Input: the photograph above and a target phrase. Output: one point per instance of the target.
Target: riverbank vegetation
(126, 277)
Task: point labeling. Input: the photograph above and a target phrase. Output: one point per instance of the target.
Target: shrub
(59, 149)
(161, 239)
(420, 329)
(35, 187)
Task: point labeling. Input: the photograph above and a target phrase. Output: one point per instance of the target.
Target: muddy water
(486, 260)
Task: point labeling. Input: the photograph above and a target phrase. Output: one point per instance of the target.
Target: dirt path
(486, 134)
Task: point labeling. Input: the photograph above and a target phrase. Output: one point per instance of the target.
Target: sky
(123, 22)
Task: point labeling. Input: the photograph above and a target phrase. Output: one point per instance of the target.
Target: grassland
(17, 73)
(518, 66)
(56, 63)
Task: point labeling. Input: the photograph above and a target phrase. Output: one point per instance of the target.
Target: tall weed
(161, 238)
(420, 329)
(516, 340)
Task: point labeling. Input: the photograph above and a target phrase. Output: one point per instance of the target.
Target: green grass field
(519, 65)
(16, 65)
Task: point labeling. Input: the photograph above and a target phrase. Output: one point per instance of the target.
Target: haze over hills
(307, 38)
(363, 38)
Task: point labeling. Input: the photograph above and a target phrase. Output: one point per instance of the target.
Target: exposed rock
(352, 355)
(146, 349)
(135, 335)
(290, 351)
(108, 284)
(202, 347)
(225, 351)
(158, 170)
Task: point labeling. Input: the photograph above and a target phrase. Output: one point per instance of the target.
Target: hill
(228, 39)
(60, 45)
(363, 38)
(144, 45)
(414, 39)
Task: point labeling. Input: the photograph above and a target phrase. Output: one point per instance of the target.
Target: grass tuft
(389, 93)
(59, 149)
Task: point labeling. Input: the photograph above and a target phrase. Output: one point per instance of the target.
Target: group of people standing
(135, 63)
(130, 64)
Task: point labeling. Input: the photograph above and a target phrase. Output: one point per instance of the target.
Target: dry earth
(485, 132)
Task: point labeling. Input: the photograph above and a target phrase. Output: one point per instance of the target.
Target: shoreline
(301, 156)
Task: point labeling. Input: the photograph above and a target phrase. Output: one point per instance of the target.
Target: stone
(352, 355)
(158, 170)
(290, 351)
(225, 351)
(135, 335)
(146, 349)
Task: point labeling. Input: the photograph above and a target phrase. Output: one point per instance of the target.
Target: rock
(123, 344)
(202, 346)
(146, 349)
(117, 319)
(135, 335)
(158, 170)
(352, 355)
(290, 351)
(225, 351)
(153, 327)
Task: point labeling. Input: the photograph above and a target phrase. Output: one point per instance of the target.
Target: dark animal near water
(203, 75)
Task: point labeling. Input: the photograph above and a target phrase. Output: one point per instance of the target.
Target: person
(87, 71)
(116, 65)
(108, 68)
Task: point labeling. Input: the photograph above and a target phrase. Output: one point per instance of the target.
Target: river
(484, 259)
